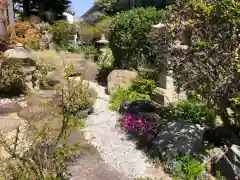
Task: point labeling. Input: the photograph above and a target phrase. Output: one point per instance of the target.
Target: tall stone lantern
(166, 93)
(102, 44)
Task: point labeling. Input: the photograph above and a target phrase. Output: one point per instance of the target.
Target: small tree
(109, 6)
(129, 33)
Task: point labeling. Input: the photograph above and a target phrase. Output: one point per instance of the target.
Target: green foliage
(144, 86)
(47, 154)
(61, 29)
(148, 74)
(90, 33)
(108, 5)
(78, 98)
(209, 66)
(86, 32)
(121, 93)
(42, 74)
(129, 33)
(103, 27)
(90, 52)
(106, 59)
(189, 169)
(193, 110)
(12, 79)
(219, 177)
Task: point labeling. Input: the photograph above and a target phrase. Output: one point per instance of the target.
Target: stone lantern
(29, 67)
(165, 92)
(102, 44)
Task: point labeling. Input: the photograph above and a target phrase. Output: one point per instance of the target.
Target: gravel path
(116, 151)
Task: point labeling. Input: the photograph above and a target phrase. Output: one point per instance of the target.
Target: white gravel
(101, 131)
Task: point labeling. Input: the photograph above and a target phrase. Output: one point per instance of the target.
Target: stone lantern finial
(159, 25)
(103, 40)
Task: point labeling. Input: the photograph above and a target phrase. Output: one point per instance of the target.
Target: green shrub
(186, 168)
(120, 94)
(103, 27)
(79, 98)
(144, 86)
(147, 73)
(106, 59)
(61, 29)
(90, 33)
(90, 52)
(129, 33)
(12, 79)
(191, 110)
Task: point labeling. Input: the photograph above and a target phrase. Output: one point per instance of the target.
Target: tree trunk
(26, 9)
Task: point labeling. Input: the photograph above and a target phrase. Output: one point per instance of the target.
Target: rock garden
(147, 94)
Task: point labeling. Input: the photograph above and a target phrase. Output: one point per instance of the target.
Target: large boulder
(120, 79)
(179, 136)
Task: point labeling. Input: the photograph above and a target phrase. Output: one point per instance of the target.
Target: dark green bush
(144, 86)
(129, 33)
(120, 94)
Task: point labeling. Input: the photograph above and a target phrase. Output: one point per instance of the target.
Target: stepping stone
(9, 123)
(8, 108)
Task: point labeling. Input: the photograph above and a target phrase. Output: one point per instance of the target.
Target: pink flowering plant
(142, 125)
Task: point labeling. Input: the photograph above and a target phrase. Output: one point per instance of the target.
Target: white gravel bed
(101, 131)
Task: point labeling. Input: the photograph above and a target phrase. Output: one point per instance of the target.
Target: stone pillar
(166, 93)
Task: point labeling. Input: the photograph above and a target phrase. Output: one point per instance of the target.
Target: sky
(81, 6)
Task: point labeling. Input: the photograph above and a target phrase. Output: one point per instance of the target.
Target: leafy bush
(12, 79)
(144, 86)
(190, 110)
(204, 61)
(108, 5)
(48, 153)
(90, 52)
(79, 98)
(103, 27)
(25, 33)
(106, 59)
(90, 33)
(61, 29)
(129, 32)
(86, 32)
(148, 74)
(120, 94)
(186, 168)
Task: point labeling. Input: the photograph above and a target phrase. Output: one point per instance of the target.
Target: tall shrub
(129, 33)
(60, 30)
(204, 56)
